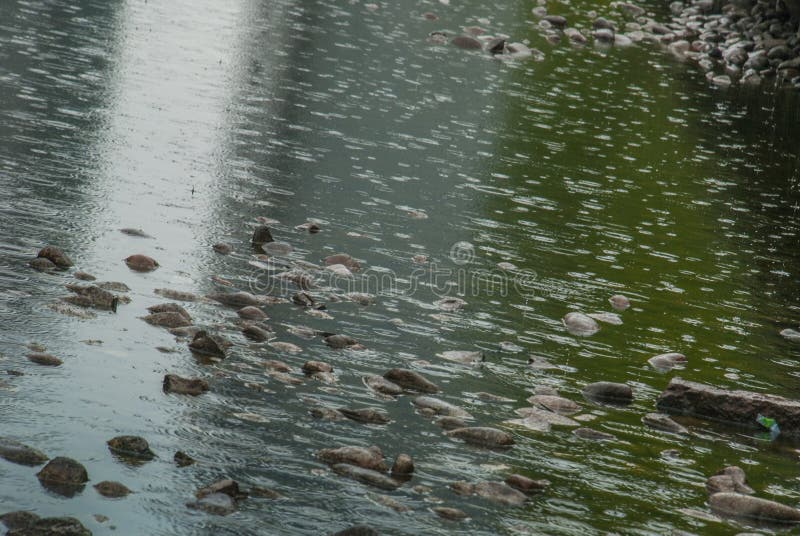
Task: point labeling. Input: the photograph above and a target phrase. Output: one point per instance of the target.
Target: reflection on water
(594, 172)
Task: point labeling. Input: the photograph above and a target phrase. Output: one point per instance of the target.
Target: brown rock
(62, 470)
(466, 42)
(141, 263)
(525, 484)
(56, 256)
(310, 367)
(451, 514)
(167, 320)
(227, 486)
(40, 264)
(368, 458)
(483, 436)
(365, 415)
(131, 446)
(205, 344)
(366, 476)
(182, 459)
(741, 506)
(110, 489)
(251, 312)
(408, 379)
(403, 466)
(16, 452)
(44, 359)
(19, 519)
(608, 393)
(184, 386)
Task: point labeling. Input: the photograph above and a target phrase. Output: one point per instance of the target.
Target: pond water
(594, 171)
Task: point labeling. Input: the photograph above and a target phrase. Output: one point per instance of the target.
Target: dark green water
(596, 172)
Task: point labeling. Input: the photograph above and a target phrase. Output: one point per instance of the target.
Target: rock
(19, 519)
(450, 423)
(345, 259)
(483, 436)
(593, 435)
(664, 362)
(64, 476)
(92, 296)
(113, 490)
(264, 493)
(167, 320)
(679, 48)
(580, 324)
(255, 333)
(223, 248)
(261, 236)
(275, 365)
(205, 344)
(780, 52)
(500, 493)
(141, 263)
(602, 24)
(608, 393)
(556, 404)
(184, 386)
(235, 299)
(52, 526)
(170, 308)
(464, 357)
(339, 270)
(131, 446)
(134, 232)
(381, 385)
(440, 407)
(366, 476)
(56, 256)
(408, 379)
(525, 484)
(740, 407)
(607, 318)
(340, 341)
(450, 304)
(176, 294)
(311, 367)
(729, 479)
(216, 504)
(790, 335)
(556, 20)
(69, 310)
(451, 514)
(40, 264)
(226, 486)
(368, 458)
(575, 36)
(466, 42)
(403, 466)
(462, 488)
(630, 10)
(619, 302)
(286, 347)
(659, 421)
(251, 312)
(303, 299)
(44, 359)
(365, 415)
(750, 508)
(326, 414)
(545, 416)
(357, 530)
(17, 452)
(182, 459)
(621, 40)
(722, 80)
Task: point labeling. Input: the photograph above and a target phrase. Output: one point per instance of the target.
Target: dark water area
(594, 171)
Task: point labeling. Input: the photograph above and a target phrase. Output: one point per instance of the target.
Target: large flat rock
(738, 407)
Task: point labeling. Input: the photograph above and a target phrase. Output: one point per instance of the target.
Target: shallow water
(595, 172)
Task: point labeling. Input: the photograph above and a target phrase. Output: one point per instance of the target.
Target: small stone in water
(141, 263)
(182, 459)
(131, 446)
(451, 514)
(184, 386)
(56, 256)
(41, 264)
(608, 318)
(608, 393)
(135, 232)
(619, 302)
(110, 489)
(44, 359)
(222, 248)
(262, 235)
(593, 435)
(580, 324)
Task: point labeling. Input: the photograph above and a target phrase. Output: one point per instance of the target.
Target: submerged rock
(593, 435)
(381, 385)
(408, 379)
(482, 436)
(255, 333)
(345, 259)
(500, 493)
(141, 263)
(167, 319)
(525, 484)
(664, 362)
(368, 458)
(40, 264)
(205, 344)
(451, 304)
(184, 386)
(608, 393)
(226, 486)
(222, 248)
(182, 459)
(464, 357)
(44, 359)
(92, 296)
(580, 324)
(52, 526)
(217, 504)
(134, 232)
(17, 452)
(64, 476)
(56, 256)
(450, 423)
(440, 407)
(366, 476)
(619, 302)
(556, 404)
(110, 489)
(451, 514)
(739, 407)
(607, 318)
(466, 42)
(340, 341)
(403, 466)
(729, 479)
(176, 294)
(261, 236)
(659, 421)
(750, 508)
(235, 299)
(131, 446)
(365, 415)
(791, 335)
(19, 519)
(251, 312)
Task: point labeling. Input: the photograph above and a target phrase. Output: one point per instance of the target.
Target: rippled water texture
(594, 172)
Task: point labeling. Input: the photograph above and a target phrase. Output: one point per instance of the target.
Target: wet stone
(227, 486)
(184, 386)
(500, 493)
(53, 526)
(182, 459)
(440, 407)
(403, 466)
(176, 294)
(141, 263)
(255, 333)
(64, 476)
(217, 504)
(593, 435)
(19, 519)
(608, 393)
(167, 320)
(56, 256)
(223, 248)
(138, 233)
(251, 312)
(41, 264)
(466, 42)
(580, 324)
(366, 476)
(340, 341)
(110, 489)
(750, 508)
(131, 447)
(525, 484)
(44, 359)
(408, 379)
(368, 458)
(205, 344)
(381, 385)
(482, 436)
(365, 415)
(660, 421)
(450, 423)
(311, 367)
(261, 236)
(235, 299)
(451, 514)
(17, 452)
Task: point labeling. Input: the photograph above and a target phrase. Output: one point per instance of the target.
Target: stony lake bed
(423, 267)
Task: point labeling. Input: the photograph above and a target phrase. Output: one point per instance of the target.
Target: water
(595, 172)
